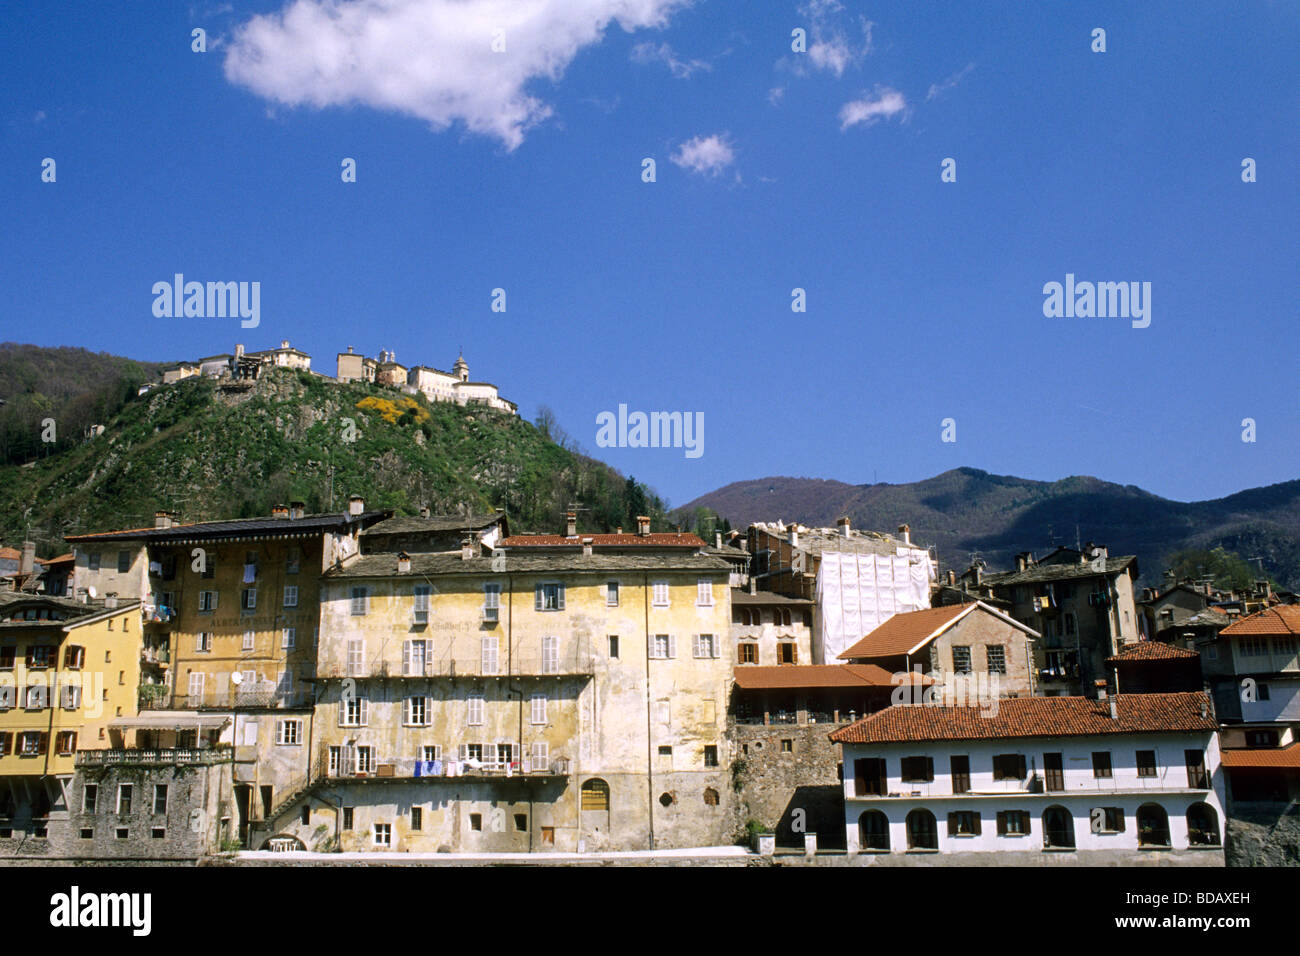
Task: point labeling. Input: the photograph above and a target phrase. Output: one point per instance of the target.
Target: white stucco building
(1131, 778)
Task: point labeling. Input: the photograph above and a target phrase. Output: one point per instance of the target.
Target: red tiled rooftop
(1282, 620)
(1034, 717)
(1152, 651)
(1259, 758)
(902, 632)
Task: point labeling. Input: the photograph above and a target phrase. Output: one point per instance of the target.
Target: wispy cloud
(431, 59)
(938, 89)
(775, 95)
(883, 103)
(831, 45)
(706, 155)
(663, 53)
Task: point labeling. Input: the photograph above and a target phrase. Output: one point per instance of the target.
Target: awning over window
(171, 720)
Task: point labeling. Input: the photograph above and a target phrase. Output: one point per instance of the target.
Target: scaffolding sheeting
(856, 593)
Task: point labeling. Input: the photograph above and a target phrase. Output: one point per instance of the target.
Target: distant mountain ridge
(966, 511)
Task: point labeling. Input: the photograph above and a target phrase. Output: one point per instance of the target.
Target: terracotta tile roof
(1283, 620)
(11, 553)
(791, 677)
(670, 539)
(1034, 717)
(902, 632)
(1282, 757)
(1152, 651)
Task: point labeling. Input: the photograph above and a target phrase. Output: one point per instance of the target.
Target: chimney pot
(403, 562)
(717, 539)
(642, 525)
(794, 535)
(161, 519)
(1114, 708)
(469, 549)
(424, 511)
(28, 561)
(110, 600)
(586, 547)
(906, 533)
(952, 578)
(356, 505)
(297, 509)
(279, 511)
(845, 526)
(570, 524)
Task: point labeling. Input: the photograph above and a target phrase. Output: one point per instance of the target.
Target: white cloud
(708, 155)
(830, 47)
(775, 95)
(884, 103)
(663, 53)
(431, 59)
(937, 89)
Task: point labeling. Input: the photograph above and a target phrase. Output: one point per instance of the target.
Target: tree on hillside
(1227, 569)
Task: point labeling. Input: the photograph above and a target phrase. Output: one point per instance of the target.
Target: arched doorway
(1058, 828)
(1202, 825)
(922, 830)
(594, 808)
(873, 831)
(1153, 825)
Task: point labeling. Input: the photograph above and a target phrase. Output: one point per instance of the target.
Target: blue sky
(522, 170)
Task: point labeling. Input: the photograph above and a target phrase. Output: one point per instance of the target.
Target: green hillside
(209, 451)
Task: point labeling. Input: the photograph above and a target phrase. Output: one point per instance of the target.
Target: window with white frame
(490, 646)
(539, 759)
(365, 760)
(29, 742)
(196, 688)
(550, 655)
(203, 641)
(383, 834)
(248, 599)
(611, 594)
(660, 598)
(420, 607)
(248, 640)
(417, 712)
(293, 561)
(360, 602)
(125, 792)
(288, 733)
(353, 711)
(431, 752)
(549, 597)
(288, 638)
(663, 646)
(207, 601)
(38, 695)
(335, 755)
(475, 710)
(415, 657)
(356, 656)
(291, 595)
(71, 696)
(704, 592)
(538, 713)
(491, 602)
(706, 645)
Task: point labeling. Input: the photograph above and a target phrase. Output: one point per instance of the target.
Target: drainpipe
(649, 740)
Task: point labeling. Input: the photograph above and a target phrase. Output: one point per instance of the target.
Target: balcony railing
(151, 758)
(571, 665)
(260, 696)
(407, 768)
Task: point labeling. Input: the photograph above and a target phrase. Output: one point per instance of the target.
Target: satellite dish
(91, 590)
(236, 678)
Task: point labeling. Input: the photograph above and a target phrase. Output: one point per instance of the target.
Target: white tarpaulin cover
(856, 593)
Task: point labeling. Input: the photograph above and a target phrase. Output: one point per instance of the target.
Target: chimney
(469, 548)
(717, 539)
(356, 505)
(642, 525)
(110, 600)
(162, 519)
(570, 524)
(905, 533)
(1020, 562)
(1114, 707)
(586, 547)
(618, 530)
(403, 563)
(794, 535)
(1100, 684)
(284, 343)
(844, 525)
(350, 350)
(952, 578)
(279, 511)
(239, 352)
(28, 561)
(424, 511)
(297, 509)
